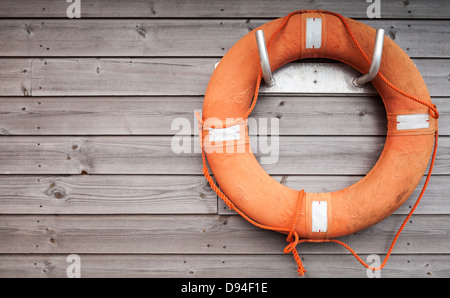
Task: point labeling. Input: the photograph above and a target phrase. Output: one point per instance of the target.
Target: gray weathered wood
(201, 38)
(177, 76)
(15, 77)
(171, 76)
(160, 115)
(222, 9)
(417, 39)
(433, 201)
(205, 234)
(154, 155)
(190, 76)
(114, 194)
(131, 194)
(296, 115)
(97, 115)
(220, 266)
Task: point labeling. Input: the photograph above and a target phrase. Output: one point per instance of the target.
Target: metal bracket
(376, 61)
(264, 58)
(358, 81)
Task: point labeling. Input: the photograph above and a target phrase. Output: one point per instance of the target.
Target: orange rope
(432, 107)
(386, 258)
(293, 237)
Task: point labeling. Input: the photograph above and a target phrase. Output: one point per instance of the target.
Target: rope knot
(292, 242)
(291, 247)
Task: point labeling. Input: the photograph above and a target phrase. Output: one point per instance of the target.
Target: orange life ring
(246, 187)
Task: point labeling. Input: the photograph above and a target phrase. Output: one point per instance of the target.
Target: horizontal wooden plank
(15, 77)
(164, 155)
(177, 76)
(163, 37)
(115, 194)
(190, 76)
(417, 39)
(97, 115)
(137, 194)
(201, 234)
(155, 155)
(161, 115)
(294, 115)
(223, 9)
(129, 38)
(433, 202)
(219, 266)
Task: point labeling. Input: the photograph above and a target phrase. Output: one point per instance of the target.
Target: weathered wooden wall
(86, 166)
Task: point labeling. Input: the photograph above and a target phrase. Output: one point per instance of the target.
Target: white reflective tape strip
(313, 33)
(224, 134)
(319, 216)
(412, 121)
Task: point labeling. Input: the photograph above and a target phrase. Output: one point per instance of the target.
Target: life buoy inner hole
(314, 130)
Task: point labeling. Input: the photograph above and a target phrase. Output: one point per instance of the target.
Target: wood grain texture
(177, 76)
(15, 77)
(433, 9)
(171, 76)
(295, 115)
(112, 194)
(183, 76)
(171, 194)
(198, 37)
(97, 115)
(154, 155)
(218, 266)
(201, 234)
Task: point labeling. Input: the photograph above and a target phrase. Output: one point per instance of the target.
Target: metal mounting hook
(376, 61)
(264, 58)
(358, 81)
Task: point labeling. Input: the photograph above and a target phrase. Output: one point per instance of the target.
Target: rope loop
(433, 111)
